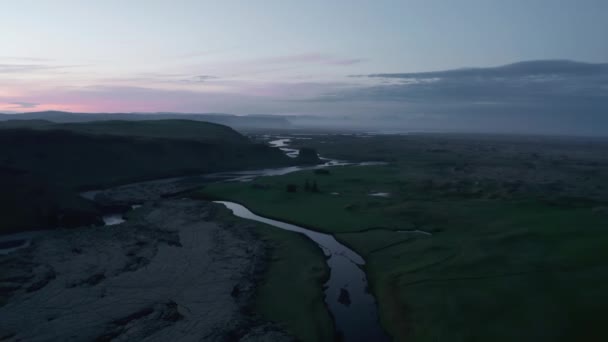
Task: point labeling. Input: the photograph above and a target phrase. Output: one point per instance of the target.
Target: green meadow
(492, 268)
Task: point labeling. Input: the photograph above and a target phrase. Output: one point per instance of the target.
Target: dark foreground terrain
(170, 273)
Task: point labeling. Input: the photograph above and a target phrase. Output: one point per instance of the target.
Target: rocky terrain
(170, 273)
(136, 193)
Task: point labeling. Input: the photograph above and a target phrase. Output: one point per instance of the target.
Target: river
(346, 292)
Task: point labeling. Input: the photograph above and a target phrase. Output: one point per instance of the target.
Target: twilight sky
(300, 57)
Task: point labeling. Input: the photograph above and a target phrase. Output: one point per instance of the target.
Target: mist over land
(535, 97)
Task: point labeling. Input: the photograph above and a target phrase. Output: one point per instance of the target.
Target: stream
(347, 295)
(346, 292)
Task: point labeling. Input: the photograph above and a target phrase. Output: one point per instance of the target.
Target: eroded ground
(169, 273)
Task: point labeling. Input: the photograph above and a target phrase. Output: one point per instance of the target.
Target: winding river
(346, 292)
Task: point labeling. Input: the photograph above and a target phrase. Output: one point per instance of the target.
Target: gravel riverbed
(172, 272)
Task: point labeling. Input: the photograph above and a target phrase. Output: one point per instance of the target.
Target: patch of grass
(290, 292)
(350, 211)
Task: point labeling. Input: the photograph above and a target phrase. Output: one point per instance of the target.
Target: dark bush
(314, 187)
(308, 156)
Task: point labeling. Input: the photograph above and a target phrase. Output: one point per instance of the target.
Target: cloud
(24, 105)
(269, 98)
(31, 68)
(527, 97)
(21, 68)
(203, 78)
(200, 79)
(556, 96)
(521, 69)
(532, 83)
(28, 59)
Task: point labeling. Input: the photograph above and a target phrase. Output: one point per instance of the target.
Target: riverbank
(284, 267)
(346, 290)
(291, 291)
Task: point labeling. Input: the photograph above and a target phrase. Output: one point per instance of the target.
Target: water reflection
(112, 219)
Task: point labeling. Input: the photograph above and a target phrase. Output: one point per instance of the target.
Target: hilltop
(169, 129)
(234, 121)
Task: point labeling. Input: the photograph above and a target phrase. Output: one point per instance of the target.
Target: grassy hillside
(24, 124)
(170, 129)
(80, 160)
(236, 121)
(43, 169)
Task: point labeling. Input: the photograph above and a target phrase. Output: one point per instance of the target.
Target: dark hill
(42, 170)
(170, 129)
(234, 121)
(86, 160)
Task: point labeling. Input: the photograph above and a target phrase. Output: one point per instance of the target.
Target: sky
(328, 58)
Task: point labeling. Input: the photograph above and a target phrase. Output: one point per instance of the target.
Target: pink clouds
(95, 99)
(240, 86)
(18, 107)
(269, 98)
(128, 99)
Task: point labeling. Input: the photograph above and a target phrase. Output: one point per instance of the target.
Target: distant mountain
(234, 121)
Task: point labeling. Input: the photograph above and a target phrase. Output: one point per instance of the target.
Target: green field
(496, 268)
(290, 291)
